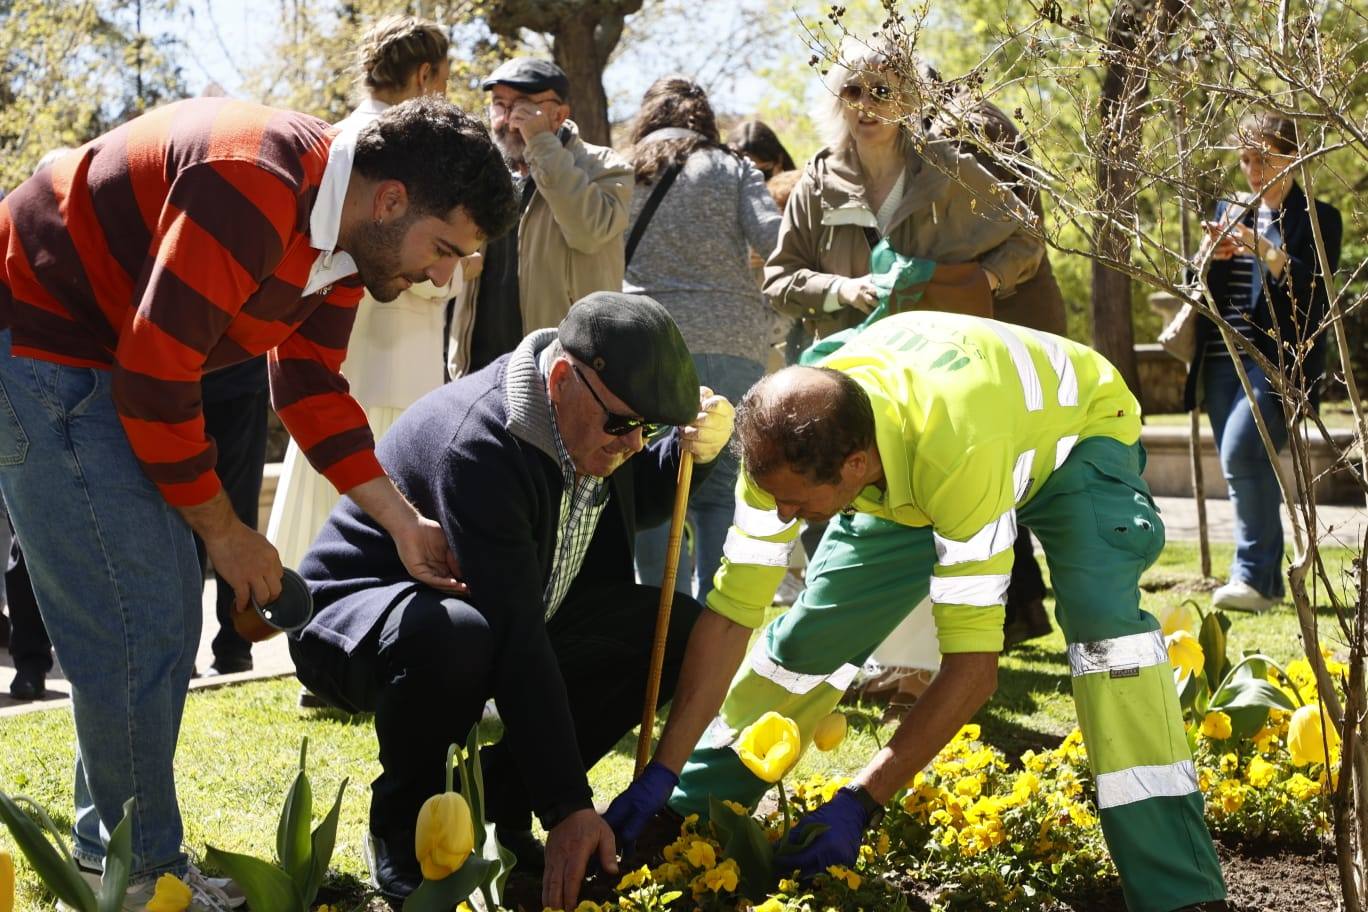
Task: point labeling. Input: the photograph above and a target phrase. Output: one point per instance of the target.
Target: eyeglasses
(855, 92)
(613, 423)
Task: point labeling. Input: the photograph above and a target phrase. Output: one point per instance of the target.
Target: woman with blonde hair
(395, 354)
(881, 177)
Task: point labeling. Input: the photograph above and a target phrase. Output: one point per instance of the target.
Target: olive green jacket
(952, 212)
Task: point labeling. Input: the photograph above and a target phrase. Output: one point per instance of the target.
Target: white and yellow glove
(711, 430)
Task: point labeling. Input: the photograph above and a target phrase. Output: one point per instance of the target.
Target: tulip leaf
(321, 844)
(743, 841)
(265, 885)
(502, 862)
(57, 873)
(1247, 702)
(118, 864)
(292, 835)
(443, 895)
(472, 782)
(1212, 638)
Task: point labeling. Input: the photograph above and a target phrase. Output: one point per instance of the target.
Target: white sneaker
(210, 894)
(1240, 596)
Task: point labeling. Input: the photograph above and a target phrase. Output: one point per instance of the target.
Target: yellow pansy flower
(1261, 772)
(845, 875)
(701, 855)
(632, 879)
(769, 905)
(1216, 725)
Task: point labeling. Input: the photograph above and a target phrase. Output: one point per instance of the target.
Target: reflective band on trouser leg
(714, 769)
(1146, 784)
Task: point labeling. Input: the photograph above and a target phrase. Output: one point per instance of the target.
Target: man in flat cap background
(569, 241)
(527, 464)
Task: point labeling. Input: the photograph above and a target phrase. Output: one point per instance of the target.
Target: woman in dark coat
(1267, 283)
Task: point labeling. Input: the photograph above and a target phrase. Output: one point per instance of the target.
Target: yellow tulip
(6, 882)
(1185, 653)
(171, 895)
(769, 746)
(1216, 725)
(1307, 736)
(445, 836)
(1173, 618)
(830, 732)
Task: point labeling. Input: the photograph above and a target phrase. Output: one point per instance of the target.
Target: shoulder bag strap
(667, 177)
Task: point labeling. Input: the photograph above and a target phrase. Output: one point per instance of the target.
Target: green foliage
(302, 855)
(70, 70)
(55, 866)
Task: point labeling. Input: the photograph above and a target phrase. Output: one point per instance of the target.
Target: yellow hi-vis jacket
(970, 418)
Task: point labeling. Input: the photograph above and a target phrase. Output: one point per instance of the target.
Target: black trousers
(238, 427)
(29, 645)
(427, 670)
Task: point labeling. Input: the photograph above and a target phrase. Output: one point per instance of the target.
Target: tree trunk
(577, 51)
(1137, 33)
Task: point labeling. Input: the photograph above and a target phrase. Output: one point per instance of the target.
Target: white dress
(394, 357)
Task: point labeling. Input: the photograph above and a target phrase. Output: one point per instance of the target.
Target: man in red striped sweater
(189, 239)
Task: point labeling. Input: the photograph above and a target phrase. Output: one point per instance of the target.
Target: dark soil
(1259, 880)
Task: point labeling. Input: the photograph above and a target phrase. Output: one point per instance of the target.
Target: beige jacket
(570, 237)
(966, 218)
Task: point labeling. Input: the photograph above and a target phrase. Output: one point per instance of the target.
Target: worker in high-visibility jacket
(926, 439)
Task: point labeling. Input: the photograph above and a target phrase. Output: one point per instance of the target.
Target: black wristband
(874, 812)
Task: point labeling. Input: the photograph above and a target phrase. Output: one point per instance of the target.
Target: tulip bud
(769, 746)
(6, 882)
(1307, 736)
(830, 732)
(1173, 618)
(445, 836)
(171, 895)
(1185, 653)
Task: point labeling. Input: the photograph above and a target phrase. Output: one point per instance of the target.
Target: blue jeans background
(712, 503)
(1250, 476)
(117, 583)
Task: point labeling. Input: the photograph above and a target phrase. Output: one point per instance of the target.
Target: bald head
(806, 419)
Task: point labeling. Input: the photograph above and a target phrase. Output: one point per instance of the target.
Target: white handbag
(1179, 335)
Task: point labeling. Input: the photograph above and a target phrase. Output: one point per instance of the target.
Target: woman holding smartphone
(1267, 283)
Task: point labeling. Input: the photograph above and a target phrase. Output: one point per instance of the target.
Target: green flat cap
(633, 344)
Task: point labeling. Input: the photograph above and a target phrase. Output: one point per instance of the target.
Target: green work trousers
(1099, 529)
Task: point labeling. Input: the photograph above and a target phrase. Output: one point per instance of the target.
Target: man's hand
(711, 430)
(639, 802)
(846, 820)
(423, 548)
(529, 118)
(859, 293)
(569, 846)
(242, 556)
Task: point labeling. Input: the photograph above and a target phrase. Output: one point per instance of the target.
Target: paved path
(1347, 526)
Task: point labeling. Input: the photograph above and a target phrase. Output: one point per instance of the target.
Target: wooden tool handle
(667, 588)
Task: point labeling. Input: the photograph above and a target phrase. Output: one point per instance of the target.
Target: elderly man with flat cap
(568, 242)
(528, 466)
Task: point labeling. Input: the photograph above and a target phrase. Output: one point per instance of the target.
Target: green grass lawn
(239, 745)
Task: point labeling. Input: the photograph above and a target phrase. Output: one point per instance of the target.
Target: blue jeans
(712, 503)
(117, 583)
(1252, 479)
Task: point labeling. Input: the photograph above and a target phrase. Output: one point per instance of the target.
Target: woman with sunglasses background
(693, 257)
(883, 176)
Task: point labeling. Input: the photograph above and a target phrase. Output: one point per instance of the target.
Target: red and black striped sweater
(176, 244)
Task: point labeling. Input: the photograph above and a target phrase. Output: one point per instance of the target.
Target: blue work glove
(845, 819)
(639, 802)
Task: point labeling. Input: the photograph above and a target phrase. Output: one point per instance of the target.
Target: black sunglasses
(613, 423)
(855, 92)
